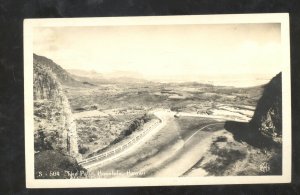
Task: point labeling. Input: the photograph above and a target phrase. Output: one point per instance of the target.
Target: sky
(165, 52)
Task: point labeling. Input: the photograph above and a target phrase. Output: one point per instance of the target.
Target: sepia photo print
(162, 100)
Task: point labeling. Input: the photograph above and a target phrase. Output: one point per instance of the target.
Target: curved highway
(168, 149)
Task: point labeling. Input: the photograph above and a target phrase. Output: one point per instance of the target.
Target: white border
(29, 24)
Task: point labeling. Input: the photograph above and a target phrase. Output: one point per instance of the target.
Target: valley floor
(190, 139)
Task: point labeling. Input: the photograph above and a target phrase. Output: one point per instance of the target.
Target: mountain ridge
(64, 77)
(107, 78)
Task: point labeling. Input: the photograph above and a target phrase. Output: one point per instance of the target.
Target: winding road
(164, 149)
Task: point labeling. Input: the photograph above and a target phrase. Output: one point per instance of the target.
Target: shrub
(221, 139)
(83, 149)
(41, 142)
(93, 136)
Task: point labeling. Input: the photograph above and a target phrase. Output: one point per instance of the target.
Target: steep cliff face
(54, 125)
(267, 118)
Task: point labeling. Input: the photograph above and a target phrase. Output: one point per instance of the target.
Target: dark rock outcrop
(267, 118)
(265, 128)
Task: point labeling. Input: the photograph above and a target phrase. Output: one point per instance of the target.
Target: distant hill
(88, 76)
(85, 73)
(107, 78)
(62, 75)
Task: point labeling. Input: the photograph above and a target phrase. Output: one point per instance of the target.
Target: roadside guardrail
(118, 149)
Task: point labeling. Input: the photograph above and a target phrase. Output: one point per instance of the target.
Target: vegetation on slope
(55, 135)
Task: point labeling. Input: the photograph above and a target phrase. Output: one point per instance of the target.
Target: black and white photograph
(161, 100)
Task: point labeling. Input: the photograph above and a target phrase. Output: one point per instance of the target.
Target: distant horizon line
(200, 74)
(156, 77)
(215, 80)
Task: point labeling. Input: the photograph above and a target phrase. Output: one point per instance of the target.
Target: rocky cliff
(54, 125)
(61, 74)
(267, 118)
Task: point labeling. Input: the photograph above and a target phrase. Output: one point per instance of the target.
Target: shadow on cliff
(243, 132)
(266, 123)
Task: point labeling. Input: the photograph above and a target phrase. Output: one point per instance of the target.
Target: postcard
(157, 100)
